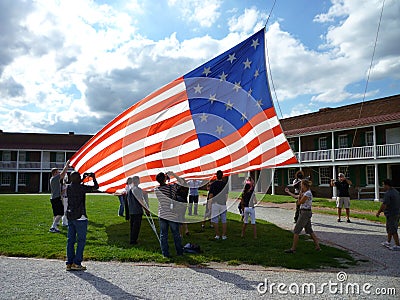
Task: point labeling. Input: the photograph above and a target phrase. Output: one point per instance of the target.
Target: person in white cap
(343, 198)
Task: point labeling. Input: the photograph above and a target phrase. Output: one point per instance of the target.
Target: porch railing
(366, 152)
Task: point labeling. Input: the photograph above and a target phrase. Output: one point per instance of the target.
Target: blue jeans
(121, 205)
(164, 224)
(76, 233)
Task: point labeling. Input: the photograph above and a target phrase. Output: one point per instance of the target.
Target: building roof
(371, 112)
(42, 141)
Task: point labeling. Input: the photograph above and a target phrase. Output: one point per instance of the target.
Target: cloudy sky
(74, 65)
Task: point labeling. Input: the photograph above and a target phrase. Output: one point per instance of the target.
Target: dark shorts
(304, 221)
(392, 223)
(194, 198)
(58, 207)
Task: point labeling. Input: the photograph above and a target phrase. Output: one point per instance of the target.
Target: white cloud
(297, 110)
(338, 9)
(64, 64)
(203, 12)
(344, 58)
(248, 21)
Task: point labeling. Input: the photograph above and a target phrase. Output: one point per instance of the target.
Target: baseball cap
(341, 175)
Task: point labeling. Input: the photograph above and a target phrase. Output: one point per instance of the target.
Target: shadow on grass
(118, 235)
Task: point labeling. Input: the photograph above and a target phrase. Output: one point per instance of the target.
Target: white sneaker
(395, 248)
(224, 237)
(386, 244)
(217, 237)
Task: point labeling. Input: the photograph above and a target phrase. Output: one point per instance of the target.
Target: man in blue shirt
(391, 208)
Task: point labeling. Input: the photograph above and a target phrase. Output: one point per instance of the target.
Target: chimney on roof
(71, 133)
(324, 109)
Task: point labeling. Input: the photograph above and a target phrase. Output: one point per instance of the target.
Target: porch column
(41, 172)
(273, 182)
(334, 189)
(333, 148)
(299, 158)
(376, 183)
(374, 139)
(16, 174)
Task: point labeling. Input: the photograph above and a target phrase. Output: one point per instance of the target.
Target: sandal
(290, 251)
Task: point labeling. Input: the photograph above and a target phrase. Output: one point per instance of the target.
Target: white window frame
(292, 145)
(369, 138)
(5, 178)
(22, 156)
(324, 178)
(341, 138)
(22, 179)
(291, 173)
(368, 170)
(6, 157)
(60, 157)
(322, 140)
(344, 170)
(276, 179)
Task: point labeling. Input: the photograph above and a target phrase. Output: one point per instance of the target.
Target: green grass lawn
(26, 219)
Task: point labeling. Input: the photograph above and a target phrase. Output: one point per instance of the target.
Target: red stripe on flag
(109, 130)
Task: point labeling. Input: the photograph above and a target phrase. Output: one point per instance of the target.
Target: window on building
(291, 173)
(369, 138)
(6, 156)
(292, 145)
(343, 141)
(370, 170)
(324, 175)
(5, 179)
(344, 170)
(22, 156)
(22, 179)
(60, 157)
(393, 135)
(323, 143)
(276, 179)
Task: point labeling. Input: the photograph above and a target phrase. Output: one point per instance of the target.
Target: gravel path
(23, 278)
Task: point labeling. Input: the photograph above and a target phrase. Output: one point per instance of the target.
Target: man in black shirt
(77, 219)
(218, 194)
(343, 198)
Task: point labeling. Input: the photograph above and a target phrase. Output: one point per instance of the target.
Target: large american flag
(220, 116)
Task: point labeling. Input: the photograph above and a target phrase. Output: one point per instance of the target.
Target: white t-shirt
(308, 203)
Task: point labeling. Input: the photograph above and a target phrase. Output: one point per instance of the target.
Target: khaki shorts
(343, 201)
(304, 221)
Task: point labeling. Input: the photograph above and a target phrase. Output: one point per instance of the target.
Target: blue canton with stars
(227, 91)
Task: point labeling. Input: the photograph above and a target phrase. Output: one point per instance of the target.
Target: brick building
(361, 140)
(26, 159)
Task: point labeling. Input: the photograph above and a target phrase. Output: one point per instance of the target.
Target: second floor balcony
(366, 152)
(30, 165)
